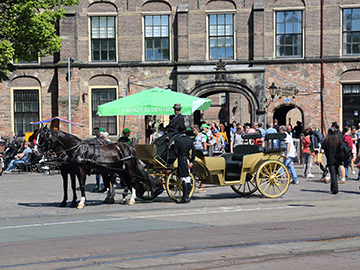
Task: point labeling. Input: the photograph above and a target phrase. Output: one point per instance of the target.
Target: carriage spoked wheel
(147, 193)
(247, 188)
(272, 179)
(174, 186)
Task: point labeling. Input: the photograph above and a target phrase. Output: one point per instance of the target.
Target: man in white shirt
(236, 138)
(200, 138)
(289, 155)
(207, 131)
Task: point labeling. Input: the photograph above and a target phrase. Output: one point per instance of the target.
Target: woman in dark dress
(329, 146)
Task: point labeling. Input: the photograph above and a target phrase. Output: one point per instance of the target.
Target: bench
(269, 142)
(234, 161)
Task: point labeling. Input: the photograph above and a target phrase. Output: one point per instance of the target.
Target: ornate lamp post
(273, 92)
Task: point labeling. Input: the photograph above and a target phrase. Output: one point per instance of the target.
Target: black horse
(90, 158)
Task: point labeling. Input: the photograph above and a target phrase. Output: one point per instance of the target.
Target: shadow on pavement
(56, 204)
(316, 191)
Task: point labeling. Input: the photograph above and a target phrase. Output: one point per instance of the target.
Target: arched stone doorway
(289, 114)
(206, 81)
(224, 111)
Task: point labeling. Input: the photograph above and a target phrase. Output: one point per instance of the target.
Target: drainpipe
(322, 64)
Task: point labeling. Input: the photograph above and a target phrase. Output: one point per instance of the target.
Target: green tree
(28, 27)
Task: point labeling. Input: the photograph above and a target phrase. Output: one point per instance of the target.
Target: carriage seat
(201, 153)
(269, 142)
(234, 160)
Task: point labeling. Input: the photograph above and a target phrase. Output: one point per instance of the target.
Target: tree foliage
(28, 28)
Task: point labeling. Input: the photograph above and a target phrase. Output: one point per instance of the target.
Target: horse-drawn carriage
(250, 168)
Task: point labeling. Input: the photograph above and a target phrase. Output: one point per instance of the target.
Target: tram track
(183, 258)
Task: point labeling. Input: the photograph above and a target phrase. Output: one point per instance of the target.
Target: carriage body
(249, 168)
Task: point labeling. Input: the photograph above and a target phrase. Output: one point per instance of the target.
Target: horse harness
(84, 146)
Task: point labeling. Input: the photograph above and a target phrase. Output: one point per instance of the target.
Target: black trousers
(334, 182)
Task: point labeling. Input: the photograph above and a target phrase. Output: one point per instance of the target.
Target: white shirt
(209, 134)
(237, 140)
(199, 140)
(289, 140)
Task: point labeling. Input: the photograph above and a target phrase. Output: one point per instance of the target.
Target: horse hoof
(63, 204)
(131, 202)
(80, 206)
(106, 200)
(126, 201)
(73, 204)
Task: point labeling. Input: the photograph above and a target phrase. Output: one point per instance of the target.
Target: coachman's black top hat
(177, 106)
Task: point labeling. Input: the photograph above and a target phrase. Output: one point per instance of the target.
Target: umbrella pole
(157, 127)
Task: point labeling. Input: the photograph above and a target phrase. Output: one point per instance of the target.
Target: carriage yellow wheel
(272, 179)
(174, 186)
(247, 188)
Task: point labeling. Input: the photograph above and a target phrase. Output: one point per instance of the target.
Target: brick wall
(254, 34)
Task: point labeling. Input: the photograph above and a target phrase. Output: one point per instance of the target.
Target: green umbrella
(155, 101)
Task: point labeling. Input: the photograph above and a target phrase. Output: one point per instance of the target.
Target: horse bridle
(62, 156)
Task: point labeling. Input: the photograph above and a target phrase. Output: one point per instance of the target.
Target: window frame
(91, 118)
(302, 49)
(353, 95)
(144, 38)
(12, 100)
(342, 32)
(208, 32)
(34, 62)
(108, 14)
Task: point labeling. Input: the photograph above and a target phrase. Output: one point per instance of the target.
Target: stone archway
(206, 80)
(210, 88)
(284, 116)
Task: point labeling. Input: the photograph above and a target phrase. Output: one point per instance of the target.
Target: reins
(84, 145)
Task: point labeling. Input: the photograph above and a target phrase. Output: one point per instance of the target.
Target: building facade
(228, 50)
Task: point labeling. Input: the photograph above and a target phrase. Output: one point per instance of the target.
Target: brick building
(228, 50)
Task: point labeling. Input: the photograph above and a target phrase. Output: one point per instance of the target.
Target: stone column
(258, 30)
(182, 33)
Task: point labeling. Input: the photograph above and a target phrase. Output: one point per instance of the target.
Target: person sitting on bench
(23, 158)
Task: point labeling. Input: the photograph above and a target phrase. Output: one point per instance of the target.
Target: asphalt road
(307, 228)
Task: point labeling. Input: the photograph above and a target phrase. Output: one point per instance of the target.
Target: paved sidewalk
(33, 195)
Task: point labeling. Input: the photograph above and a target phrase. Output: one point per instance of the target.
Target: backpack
(343, 152)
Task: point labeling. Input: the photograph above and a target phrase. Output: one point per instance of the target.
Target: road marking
(187, 213)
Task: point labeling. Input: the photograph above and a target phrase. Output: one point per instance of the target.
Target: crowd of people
(223, 138)
(337, 166)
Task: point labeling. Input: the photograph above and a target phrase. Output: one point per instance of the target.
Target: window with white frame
(351, 31)
(99, 97)
(289, 33)
(26, 110)
(221, 36)
(103, 42)
(157, 38)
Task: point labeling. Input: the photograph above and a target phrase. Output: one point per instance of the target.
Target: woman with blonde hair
(222, 132)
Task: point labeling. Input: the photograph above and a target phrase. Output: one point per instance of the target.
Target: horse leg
(109, 188)
(133, 196)
(131, 167)
(82, 180)
(73, 187)
(112, 187)
(65, 187)
(124, 194)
